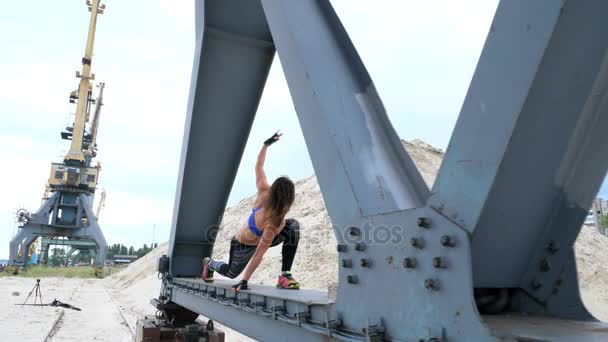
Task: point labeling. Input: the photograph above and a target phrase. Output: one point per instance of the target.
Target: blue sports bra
(254, 229)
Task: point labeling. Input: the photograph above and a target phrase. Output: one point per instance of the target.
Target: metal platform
(308, 307)
(224, 287)
(305, 308)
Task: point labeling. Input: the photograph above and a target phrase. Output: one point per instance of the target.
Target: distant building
(599, 209)
(124, 259)
(590, 219)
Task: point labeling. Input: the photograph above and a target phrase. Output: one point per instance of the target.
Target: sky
(420, 54)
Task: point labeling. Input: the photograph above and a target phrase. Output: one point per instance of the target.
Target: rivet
(342, 248)
(424, 222)
(553, 247)
(446, 241)
(365, 263)
(352, 279)
(536, 284)
(354, 231)
(347, 263)
(417, 242)
(409, 263)
(360, 246)
(431, 284)
(545, 265)
(438, 262)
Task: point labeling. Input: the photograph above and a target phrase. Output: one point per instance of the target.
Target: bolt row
(408, 263)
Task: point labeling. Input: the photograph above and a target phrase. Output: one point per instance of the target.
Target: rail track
(57, 326)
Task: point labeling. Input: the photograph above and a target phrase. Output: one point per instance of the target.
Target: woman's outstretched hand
(274, 138)
(241, 285)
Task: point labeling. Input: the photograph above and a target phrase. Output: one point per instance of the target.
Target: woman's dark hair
(282, 195)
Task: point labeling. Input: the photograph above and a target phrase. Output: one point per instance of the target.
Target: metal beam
(370, 186)
(358, 158)
(255, 326)
(234, 52)
(526, 148)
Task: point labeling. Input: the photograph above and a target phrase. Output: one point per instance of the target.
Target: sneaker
(286, 281)
(207, 271)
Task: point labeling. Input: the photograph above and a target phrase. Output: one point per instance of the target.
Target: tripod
(38, 293)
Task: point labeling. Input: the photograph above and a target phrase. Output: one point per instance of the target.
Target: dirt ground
(99, 319)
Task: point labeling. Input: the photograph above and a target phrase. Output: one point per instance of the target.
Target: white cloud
(125, 209)
(182, 11)
(42, 86)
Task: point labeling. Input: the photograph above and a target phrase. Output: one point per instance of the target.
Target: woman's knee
(231, 275)
(293, 230)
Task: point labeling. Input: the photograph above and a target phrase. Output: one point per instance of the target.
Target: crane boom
(102, 203)
(91, 150)
(76, 171)
(75, 154)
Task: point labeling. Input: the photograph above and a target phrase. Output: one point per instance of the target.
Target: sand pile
(137, 270)
(592, 263)
(316, 264)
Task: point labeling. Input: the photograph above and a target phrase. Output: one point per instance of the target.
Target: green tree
(81, 257)
(57, 257)
(604, 224)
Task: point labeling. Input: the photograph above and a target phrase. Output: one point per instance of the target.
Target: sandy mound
(138, 283)
(592, 263)
(138, 270)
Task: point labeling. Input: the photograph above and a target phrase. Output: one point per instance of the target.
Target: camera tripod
(38, 294)
(37, 291)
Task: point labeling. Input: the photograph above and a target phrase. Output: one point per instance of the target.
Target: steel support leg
(371, 189)
(232, 59)
(527, 154)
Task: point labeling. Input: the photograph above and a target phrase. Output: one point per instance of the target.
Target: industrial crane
(66, 210)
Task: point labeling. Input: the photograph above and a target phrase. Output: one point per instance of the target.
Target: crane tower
(66, 215)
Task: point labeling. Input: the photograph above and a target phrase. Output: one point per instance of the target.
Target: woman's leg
(291, 234)
(289, 237)
(240, 255)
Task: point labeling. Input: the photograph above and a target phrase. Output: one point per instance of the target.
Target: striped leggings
(240, 254)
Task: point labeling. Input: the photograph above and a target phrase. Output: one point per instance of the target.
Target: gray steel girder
(232, 59)
(524, 161)
(528, 153)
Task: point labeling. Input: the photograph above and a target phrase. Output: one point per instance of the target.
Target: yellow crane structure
(75, 153)
(66, 215)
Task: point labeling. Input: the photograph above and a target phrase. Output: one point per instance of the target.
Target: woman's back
(259, 219)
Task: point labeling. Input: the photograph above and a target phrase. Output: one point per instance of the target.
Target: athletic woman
(265, 227)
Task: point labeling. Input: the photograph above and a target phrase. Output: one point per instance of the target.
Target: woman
(266, 227)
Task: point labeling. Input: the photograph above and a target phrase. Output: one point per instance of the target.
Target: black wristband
(241, 285)
(274, 138)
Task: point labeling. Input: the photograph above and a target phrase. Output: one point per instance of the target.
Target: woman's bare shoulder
(261, 199)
